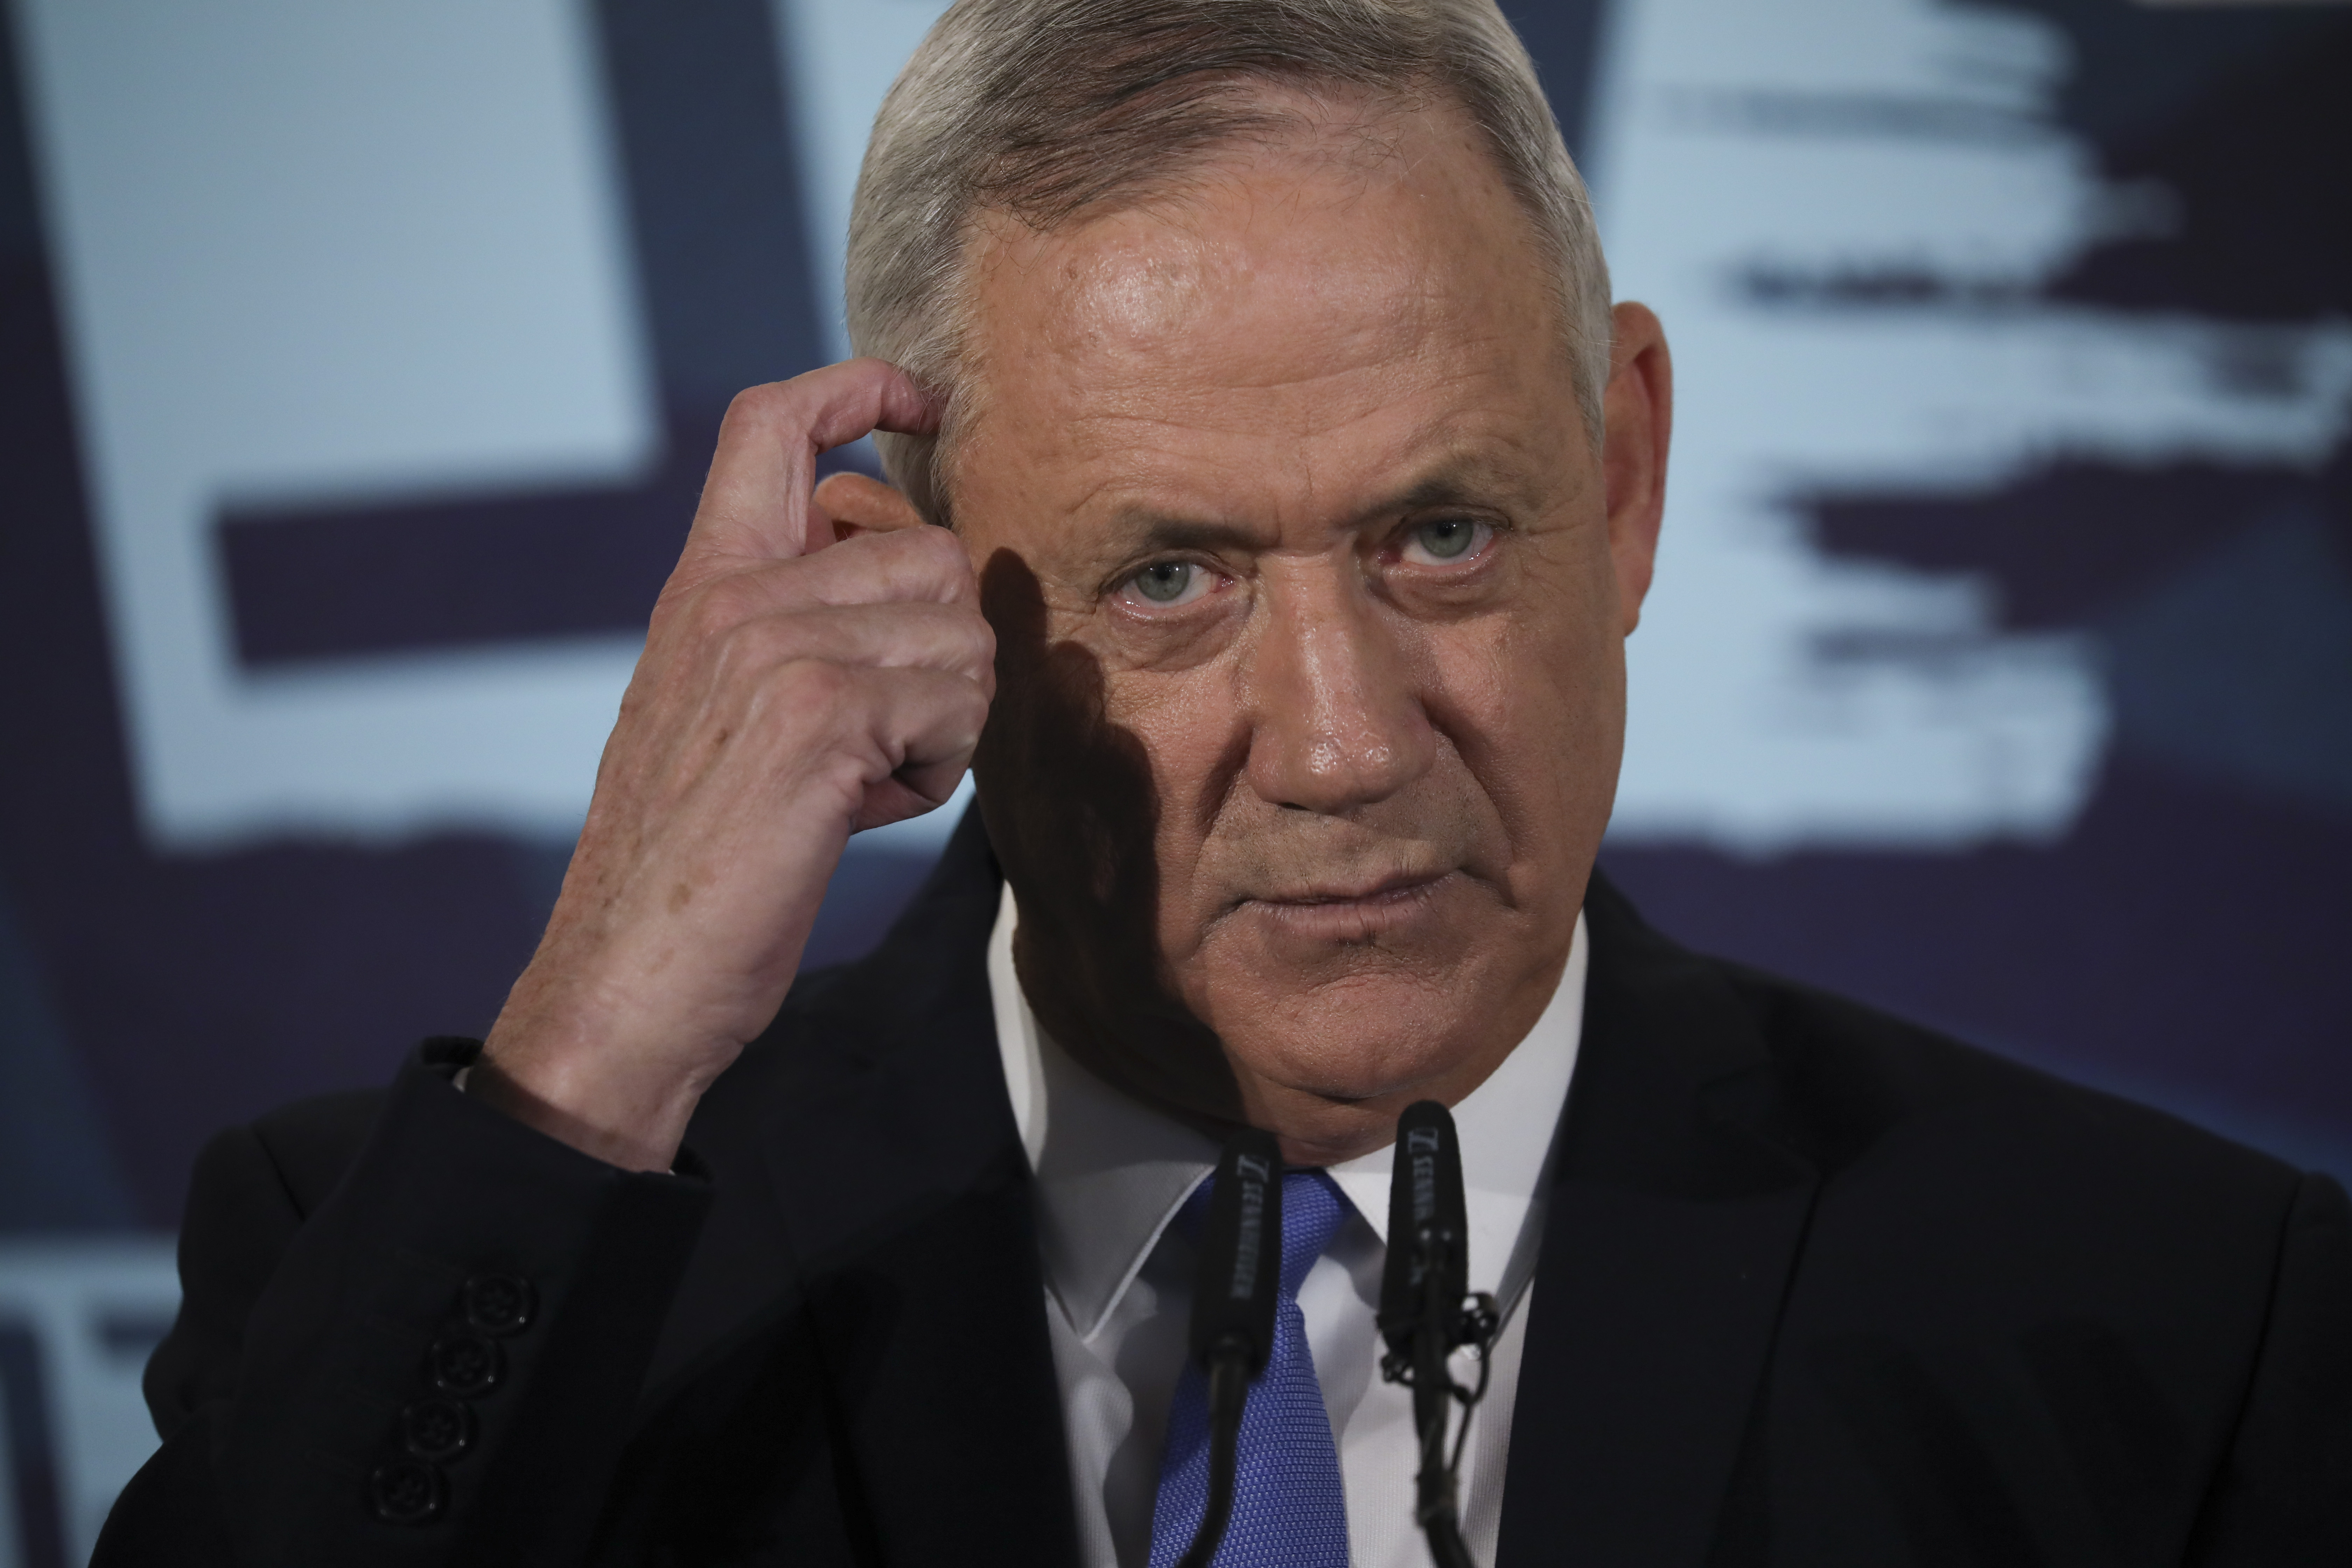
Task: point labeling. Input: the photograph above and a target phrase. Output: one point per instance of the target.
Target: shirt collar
(1112, 1172)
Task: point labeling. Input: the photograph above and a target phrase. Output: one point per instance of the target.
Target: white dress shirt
(1112, 1174)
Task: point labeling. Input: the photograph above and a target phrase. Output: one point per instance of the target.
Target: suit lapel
(907, 1200)
(1675, 1220)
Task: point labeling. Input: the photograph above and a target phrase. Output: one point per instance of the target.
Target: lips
(1338, 913)
(1393, 888)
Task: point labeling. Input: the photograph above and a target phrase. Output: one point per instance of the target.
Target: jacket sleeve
(2284, 1497)
(437, 1366)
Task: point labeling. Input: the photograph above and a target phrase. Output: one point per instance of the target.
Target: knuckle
(959, 701)
(931, 552)
(975, 638)
(761, 404)
(811, 689)
(743, 648)
(804, 704)
(944, 549)
(954, 638)
(717, 608)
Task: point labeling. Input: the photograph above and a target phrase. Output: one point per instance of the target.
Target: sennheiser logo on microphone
(1255, 1173)
(1421, 1146)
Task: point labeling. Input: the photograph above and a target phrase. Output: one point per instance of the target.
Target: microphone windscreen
(1241, 1250)
(1428, 1222)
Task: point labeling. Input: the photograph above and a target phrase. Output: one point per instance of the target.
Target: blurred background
(359, 361)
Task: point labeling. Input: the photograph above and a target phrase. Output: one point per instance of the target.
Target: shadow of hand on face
(1073, 812)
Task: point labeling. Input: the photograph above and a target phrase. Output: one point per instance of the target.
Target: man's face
(1311, 620)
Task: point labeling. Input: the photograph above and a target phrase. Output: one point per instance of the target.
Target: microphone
(1428, 1267)
(1234, 1299)
(1427, 1313)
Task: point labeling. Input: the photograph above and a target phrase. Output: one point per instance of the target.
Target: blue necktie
(1288, 1509)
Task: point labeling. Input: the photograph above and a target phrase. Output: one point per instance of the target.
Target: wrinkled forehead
(1288, 290)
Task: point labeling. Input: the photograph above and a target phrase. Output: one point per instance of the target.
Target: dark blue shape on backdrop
(2185, 942)
(714, 204)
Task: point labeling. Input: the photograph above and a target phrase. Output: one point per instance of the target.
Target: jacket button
(407, 1492)
(465, 1365)
(437, 1428)
(499, 1304)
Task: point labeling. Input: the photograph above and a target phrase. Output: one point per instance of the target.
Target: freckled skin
(1378, 774)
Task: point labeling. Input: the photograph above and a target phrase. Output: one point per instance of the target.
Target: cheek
(1187, 725)
(1534, 704)
(1575, 720)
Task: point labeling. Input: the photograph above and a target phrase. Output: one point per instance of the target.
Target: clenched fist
(816, 664)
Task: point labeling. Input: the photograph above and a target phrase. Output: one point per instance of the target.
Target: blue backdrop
(357, 372)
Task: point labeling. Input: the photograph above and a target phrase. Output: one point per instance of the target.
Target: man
(1297, 489)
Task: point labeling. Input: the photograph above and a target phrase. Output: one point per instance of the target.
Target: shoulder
(1860, 1094)
(1859, 1088)
(2003, 1270)
(1943, 1170)
(1963, 1195)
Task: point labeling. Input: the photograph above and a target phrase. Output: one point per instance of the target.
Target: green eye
(1166, 582)
(1447, 539)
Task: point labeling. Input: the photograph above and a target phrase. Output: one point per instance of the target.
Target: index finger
(755, 503)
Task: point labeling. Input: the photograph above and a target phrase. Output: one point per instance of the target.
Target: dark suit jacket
(1817, 1287)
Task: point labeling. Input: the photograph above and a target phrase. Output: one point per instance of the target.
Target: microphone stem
(1446, 1547)
(1432, 1401)
(1228, 1392)
(1439, 1511)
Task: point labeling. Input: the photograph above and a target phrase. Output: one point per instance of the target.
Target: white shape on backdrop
(1781, 697)
(373, 250)
(839, 60)
(333, 250)
(87, 1313)
(378, 247)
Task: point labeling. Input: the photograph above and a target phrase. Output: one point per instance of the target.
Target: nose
(1335, 713)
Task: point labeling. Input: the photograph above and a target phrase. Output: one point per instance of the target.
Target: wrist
(637, 1126)
(582, 1076)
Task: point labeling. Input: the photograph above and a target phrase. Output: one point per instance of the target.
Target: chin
(1367, 1037)
(1405, 993)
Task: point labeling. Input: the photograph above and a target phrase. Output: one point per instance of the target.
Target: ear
(854, 504)
(1639, 406)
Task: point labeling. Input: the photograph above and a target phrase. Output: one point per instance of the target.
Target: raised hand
(816, 664)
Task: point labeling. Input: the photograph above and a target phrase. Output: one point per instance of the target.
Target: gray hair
(1042, 109)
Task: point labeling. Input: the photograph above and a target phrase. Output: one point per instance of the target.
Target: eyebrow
(1464, 482)
(1457, 481)
(1141, 530)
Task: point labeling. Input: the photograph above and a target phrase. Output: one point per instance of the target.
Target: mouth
(1351, 911)
(1397, 885)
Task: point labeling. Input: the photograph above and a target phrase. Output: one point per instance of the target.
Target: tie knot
(1313, 1209)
